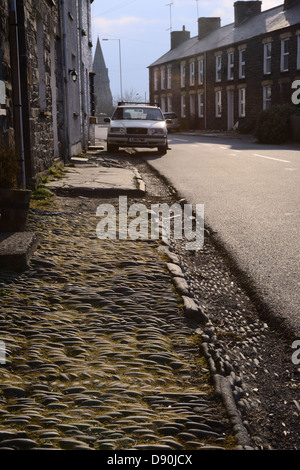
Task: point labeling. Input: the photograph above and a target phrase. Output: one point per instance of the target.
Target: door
(230, 109)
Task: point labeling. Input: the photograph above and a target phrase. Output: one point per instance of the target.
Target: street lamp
(120, 60)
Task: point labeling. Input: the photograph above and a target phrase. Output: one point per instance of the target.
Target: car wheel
(162, 149)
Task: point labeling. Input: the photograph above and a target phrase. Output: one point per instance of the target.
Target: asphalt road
(251, 195)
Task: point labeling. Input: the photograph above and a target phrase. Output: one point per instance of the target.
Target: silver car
(137, 125)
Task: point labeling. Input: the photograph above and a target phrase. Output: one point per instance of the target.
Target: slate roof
(265, 22)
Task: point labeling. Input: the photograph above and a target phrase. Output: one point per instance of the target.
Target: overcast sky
(142, 29)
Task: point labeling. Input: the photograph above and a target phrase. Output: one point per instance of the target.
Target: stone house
(46, 54)
(225, 76)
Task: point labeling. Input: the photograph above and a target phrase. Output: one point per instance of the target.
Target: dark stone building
(225, 76)
(46, 59)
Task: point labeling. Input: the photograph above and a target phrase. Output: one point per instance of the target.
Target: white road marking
(271, 158)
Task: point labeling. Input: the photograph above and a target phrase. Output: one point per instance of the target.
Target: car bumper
(145, 141)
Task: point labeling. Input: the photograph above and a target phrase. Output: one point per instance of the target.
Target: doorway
(230, 109)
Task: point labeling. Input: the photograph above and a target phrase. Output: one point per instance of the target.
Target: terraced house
(223, 77)
(45, 80)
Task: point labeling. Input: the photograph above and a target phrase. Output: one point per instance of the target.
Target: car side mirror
(107, 119)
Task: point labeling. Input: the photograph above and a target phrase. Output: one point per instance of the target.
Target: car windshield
(140, 113)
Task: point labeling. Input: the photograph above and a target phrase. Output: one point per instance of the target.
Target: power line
(124, 4)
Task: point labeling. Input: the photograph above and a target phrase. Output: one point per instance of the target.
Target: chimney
(289, 4)
(207, 26)
(245, 10)
(178, 37)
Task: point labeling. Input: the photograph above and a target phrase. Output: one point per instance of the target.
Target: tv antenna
(170, 5)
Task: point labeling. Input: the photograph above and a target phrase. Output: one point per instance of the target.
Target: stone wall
(38, 35)
(6, 105)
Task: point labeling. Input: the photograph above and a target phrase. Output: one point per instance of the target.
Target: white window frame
(163, 78)
(169, 77)
(267, 58)
(182, 74)
(155, 79)
(284, 58)
(230, 66)
(200, 104)
(218, 68)
(183, 106)
(242, 63)
(192, 73)
(267, 96)
(218, 103)
(200, 71)
(169, 103)
(242, 102)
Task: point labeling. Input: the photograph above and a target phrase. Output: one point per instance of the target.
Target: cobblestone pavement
(99, 352)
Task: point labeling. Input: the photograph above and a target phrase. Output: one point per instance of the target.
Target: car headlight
(156, 131)
(117, 130)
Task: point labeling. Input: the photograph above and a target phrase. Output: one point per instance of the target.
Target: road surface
(251, 195)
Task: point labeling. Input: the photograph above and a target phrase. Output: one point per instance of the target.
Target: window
(183, 106)
(267, 58)
(192, 73)
(163, 104)
(163, 78)
(200, 71)
(169, 77)
(267, 92)
(242, 58)
(170, 106)
(218, 103)
(230, 65)
(182, 75)
(218, 68)
(155, 79)
(242, 102)
(200, 105)
(284, 62)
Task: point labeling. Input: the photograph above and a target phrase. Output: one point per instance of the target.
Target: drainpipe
(17, 95)
(66, 81)
(205, 93)
(82, 77)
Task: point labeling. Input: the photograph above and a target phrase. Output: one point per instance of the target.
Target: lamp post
(120, 61)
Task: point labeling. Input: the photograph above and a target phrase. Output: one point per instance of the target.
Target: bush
(272, 125)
